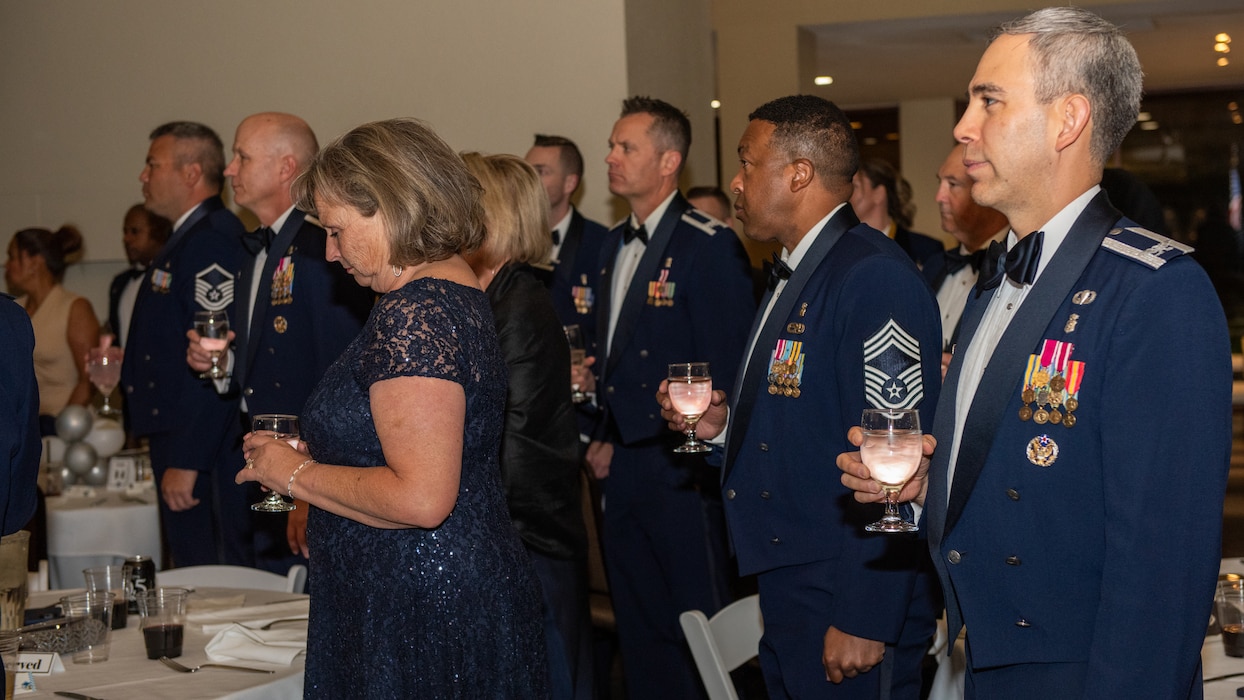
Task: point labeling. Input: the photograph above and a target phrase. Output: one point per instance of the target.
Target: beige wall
(84, 82)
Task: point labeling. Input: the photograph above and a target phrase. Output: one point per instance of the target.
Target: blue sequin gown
(447, 613)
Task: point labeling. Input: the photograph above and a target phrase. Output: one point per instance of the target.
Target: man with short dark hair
(712, 201)
(675, 288)
(297, 312)
(576, 239)
(178, 412)
(143, 234)
(1085, 429)
(847, 324)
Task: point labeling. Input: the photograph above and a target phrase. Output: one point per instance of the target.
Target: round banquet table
(99, 530)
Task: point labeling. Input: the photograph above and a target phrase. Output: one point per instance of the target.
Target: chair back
(723, 643)
(226, 576)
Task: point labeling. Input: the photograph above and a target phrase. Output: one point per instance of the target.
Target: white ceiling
(882, 62)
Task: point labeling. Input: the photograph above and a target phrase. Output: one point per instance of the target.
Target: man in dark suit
(20, 446)
(675, 288)
(297, 312)
(143, 235)
(862, 330)
(576, 239)
(1085, 428)
(181, 415)
(952, 273)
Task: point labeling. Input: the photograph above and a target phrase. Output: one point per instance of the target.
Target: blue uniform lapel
(1004, 369)
(637, 293)
(758, 366)
(248, 333)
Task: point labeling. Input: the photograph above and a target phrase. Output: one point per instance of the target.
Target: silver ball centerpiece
(73, 423)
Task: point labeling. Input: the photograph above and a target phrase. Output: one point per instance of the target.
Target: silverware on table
(186, 669)
(75, 696)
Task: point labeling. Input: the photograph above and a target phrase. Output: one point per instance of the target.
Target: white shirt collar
(280, 221)
(1056, 229)
(655, 217)
(182, 219)
(794, 257)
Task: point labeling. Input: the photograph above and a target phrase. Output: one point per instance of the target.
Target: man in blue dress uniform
(182, 416)
(1074, 499)
(847, 324)
(20, 445)
(675, 288)
(295, 315)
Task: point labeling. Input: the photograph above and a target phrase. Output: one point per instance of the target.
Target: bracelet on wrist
(289, 487)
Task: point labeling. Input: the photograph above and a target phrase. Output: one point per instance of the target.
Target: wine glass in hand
(691, 392)
(103, 366)
(213, 330)
(578, 353)
(286, 428)
(891, 451)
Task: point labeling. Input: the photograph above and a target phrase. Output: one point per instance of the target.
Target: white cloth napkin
(253, 616)
(238, 643)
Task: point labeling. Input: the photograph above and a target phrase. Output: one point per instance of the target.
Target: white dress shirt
(627, 261)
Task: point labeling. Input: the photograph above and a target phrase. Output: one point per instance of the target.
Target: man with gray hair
(1074, 499)
(175, 410)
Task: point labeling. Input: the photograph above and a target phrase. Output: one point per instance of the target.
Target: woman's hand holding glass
(270, 460)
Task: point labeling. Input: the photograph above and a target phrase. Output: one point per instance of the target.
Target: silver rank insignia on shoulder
(1084, 297)
(213, 288)
(1042, 450)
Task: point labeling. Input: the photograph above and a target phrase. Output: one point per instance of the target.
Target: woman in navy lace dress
(422, 586)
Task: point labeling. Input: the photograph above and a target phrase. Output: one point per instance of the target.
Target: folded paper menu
(238, 643)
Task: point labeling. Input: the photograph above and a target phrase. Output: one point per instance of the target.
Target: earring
(397, 270)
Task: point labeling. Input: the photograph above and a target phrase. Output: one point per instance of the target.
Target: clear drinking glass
(285, 428)
(691, 392)
(578, 353)
(891, 451)
(213, 330)
(103, 366)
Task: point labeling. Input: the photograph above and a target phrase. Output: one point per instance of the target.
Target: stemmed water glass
(691, 392)
(578, 353)
(891, 450)
(286, 428)
(213, 330)
(103, 367)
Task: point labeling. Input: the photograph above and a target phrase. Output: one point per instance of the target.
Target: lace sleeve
(413, 335)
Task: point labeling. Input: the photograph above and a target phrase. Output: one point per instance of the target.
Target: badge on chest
(1051, 392)
(661, 289)
(283, 282)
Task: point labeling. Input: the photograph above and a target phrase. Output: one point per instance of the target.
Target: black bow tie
(557, 238)
(778, 271)
(956, 261)
(631, 233)
(1018, 263)
(133, 273)
(257, 240)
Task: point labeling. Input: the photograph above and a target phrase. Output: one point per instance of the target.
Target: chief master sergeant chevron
(182, 416)
(1074, 499)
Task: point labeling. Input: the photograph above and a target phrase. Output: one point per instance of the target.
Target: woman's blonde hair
(400, 169)
(516, 209)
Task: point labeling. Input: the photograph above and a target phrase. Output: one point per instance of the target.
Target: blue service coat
(195, 271)
(573, 284)
(1097, 543)
(306, 311)
(695, 307)
(870, 338)
(20, 445)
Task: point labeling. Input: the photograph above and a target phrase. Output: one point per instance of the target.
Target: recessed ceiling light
(823, 80)
(1232, 106)
(1149, 126)
(1221, 47)
(1237, 119)
(1223, 38)
(870, 141)
(1223, 61)
(715, 104)
(1143, 117)
(857, 125)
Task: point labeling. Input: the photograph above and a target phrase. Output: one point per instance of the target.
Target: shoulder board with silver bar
(1144, 246)
(702, 221)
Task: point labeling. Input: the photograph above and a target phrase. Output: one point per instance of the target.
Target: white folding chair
(38, 580)
(235, 577)
(723, 643)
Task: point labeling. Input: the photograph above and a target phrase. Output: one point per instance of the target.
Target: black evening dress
(451, 612)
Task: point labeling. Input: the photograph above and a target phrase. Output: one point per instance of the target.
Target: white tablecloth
(128, 673)
(97, 531)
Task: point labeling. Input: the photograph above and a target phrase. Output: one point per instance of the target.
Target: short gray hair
(1077, 52)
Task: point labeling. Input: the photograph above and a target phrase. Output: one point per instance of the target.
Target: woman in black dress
(423, 588)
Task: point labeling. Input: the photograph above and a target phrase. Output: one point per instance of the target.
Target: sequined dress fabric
(452, 612)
